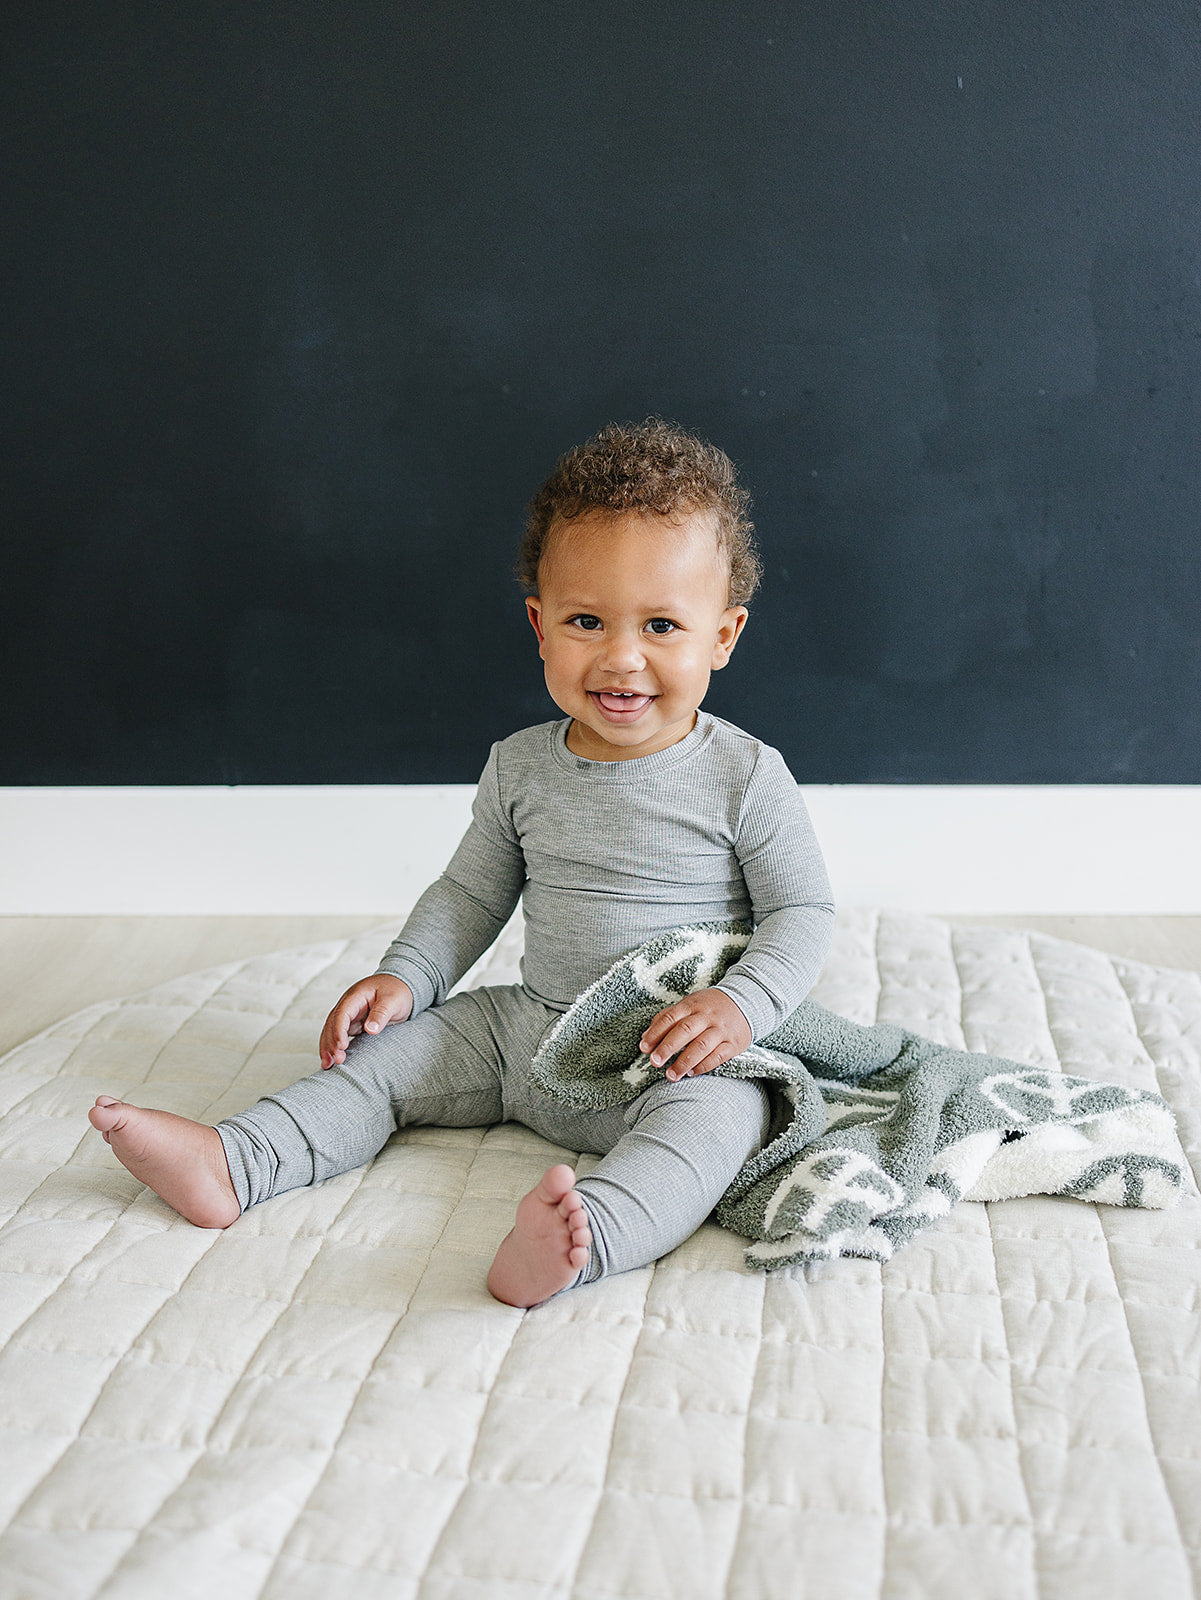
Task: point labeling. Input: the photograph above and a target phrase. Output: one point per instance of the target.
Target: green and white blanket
(875, 1131)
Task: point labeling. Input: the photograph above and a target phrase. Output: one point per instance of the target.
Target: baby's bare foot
(182, 1161)
(548, 1245)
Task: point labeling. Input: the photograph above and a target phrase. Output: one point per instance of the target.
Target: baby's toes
(581, 1233)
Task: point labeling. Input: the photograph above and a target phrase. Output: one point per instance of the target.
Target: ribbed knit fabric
(667, 1157)
(609, 853)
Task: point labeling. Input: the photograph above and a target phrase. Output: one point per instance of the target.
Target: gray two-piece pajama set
(604, 854)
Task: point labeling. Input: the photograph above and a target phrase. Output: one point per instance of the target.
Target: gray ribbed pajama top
(605, 854)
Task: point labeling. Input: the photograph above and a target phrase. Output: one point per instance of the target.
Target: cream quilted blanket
(324, 1401)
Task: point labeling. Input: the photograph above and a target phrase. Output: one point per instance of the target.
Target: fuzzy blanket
(875, 1130)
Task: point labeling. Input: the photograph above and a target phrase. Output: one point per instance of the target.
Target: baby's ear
(729, 629)
(533, 610)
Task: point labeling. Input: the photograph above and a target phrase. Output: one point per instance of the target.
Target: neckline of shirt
(637, 767)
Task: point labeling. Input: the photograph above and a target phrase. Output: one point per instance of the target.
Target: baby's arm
(449, 928)
(792, 906)
(794, 918)
(462, 912)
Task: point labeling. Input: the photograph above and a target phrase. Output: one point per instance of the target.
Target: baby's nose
(623, 653)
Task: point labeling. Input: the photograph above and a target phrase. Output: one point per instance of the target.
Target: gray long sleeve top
(606, 854)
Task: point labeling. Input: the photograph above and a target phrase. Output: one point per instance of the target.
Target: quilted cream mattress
(324, 1401)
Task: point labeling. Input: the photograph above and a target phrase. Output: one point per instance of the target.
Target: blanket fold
(875, 1130)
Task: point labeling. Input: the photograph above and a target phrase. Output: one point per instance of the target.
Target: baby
(634, 814)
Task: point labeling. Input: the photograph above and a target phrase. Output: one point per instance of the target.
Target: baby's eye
(661, 625)
(588, 623)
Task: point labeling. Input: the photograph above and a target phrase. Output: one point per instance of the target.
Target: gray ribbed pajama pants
(668, 1156)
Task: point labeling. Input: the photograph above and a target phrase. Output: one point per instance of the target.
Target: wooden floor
(53, 966)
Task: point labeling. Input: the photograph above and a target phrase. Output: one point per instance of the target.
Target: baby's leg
(442, 1067)
(672, 1154)
(686, 1144)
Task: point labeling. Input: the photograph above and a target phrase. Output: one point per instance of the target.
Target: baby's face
(632, 617)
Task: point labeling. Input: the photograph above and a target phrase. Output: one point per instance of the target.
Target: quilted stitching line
(843, 1425)
(622, 1406)
(335, 1450)
(1039, 1566)
(1047, 1052)
(1134, 1027)
(1044, 941)
(73, 1274)
(204, 1451)
(885, 1498)
(231, 972)
(99, 1011)
(224, 974)
(885, 1433)
(606, 1487)
(70, 1271)
(271, 1019)
(1098, 1211)
(14, 1521)
(1019, 1451)
(103, 1009)
(298, 993)
(1159, 1083)
(175, 1032)
(1153, 1452)
(1104, 1539)
(1175, 1248)
(900, 1519)
(518, 1324)
(747, 1413)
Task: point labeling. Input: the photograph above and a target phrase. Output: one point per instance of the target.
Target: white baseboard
(361, 849)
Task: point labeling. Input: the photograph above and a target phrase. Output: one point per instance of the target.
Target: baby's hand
(368, 1005)
(701, 1031)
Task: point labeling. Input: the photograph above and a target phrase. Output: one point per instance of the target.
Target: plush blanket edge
(875, 1131)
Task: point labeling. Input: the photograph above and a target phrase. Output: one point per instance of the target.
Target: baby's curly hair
(652, 466)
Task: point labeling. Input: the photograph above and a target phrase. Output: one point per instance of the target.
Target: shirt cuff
(756, 1006)
(424, 992)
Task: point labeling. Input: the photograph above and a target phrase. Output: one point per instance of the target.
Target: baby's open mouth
(620, 703)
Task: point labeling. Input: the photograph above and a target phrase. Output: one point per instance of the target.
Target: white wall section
(361, 849)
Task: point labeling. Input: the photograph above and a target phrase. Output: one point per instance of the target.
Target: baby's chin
(601, 740)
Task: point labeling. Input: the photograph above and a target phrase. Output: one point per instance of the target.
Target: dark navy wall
(305, 300)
